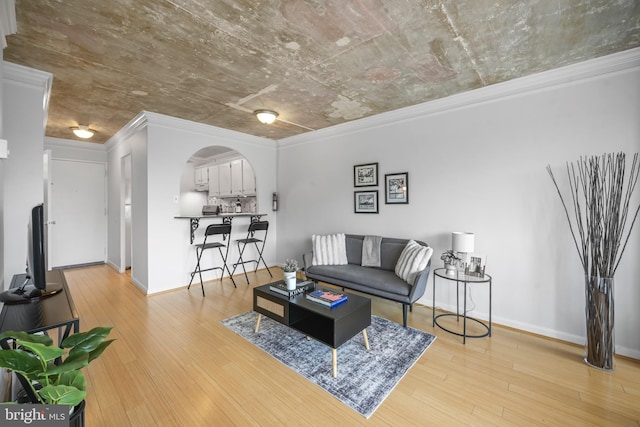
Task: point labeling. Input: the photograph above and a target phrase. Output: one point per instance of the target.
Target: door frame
(125, 187)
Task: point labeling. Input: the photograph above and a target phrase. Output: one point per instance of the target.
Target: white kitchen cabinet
(214, 181)
(248, 179)
(201, 178)
(224, 179)
(236, 177)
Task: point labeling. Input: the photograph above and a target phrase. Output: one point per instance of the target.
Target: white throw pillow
(413, 259)
(329, 250)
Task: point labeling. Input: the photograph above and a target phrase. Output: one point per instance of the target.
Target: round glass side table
(461, 278)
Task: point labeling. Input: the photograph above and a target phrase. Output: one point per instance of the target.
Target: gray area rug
(365, 378)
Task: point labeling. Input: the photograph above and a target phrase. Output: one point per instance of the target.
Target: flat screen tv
(34, 286)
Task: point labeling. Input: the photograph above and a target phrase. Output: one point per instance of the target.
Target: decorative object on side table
(46, 378)
(290, 268)
(450, 261)
(600, 203)
(476, 265)
(463, 243)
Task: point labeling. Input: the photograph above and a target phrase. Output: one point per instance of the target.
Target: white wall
(159, 156)
(25, 99)
(131, 141)
(2, 162)
(476, 162)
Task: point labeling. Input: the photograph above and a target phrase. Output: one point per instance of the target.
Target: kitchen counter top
(194, 220)
(221, 215)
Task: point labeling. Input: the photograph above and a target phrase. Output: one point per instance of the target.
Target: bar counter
(227, 218)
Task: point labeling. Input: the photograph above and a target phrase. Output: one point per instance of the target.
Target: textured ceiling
(317, 62)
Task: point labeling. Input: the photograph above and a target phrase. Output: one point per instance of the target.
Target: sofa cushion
(371, 280)
(413, 259)
(329, 250)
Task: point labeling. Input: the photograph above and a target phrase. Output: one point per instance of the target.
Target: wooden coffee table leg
(334, 362)
(258, 323)
(366, 339)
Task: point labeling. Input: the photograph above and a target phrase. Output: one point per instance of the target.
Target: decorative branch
(600, 205)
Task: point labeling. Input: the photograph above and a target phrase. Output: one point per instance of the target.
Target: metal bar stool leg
(197, 269)
(260, 258)
(225, 266)
(241, 261)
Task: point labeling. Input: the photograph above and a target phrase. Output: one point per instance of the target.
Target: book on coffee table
(281, 288)
(328, 298)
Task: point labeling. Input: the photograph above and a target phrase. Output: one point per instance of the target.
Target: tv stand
(27, 292)
(43, 313)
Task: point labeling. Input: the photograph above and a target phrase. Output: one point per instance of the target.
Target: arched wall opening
(217, 179)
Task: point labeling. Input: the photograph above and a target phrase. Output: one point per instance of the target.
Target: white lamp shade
(462, 241)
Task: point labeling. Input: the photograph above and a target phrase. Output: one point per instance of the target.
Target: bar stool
(213, 230)
(255, 228)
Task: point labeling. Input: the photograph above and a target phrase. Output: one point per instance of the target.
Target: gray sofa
(378, 281)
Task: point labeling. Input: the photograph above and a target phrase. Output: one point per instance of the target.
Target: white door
(78, 221)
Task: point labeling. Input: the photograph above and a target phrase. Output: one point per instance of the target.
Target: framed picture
(476, 264)
(365, 201)
(365, 175)
(396, 188)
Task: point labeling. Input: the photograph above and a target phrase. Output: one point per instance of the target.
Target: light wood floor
(174, 364)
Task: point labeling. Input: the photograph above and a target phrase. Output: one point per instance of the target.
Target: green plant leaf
(44, 352)
(67, 365)
(62, 395)
(26, 337)
(98, 351)
(87, 341)
(20, 361)
(73, 379)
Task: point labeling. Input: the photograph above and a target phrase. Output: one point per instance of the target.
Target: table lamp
(462, 242)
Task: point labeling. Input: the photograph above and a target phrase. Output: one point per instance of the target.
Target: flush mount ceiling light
(82, 131)
(266, 116)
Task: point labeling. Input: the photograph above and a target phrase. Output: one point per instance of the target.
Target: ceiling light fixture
(82, 131)
(266, 116)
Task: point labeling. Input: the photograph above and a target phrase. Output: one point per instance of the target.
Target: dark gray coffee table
(331, 326)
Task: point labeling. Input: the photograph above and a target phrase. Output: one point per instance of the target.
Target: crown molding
(546, 80)
(70, 143)
(147, 118)
(8, 23)
(138, 123)
(30, 77)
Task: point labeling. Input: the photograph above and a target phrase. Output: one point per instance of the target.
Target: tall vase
(599, 311)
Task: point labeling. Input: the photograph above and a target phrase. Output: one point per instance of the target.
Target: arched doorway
(217, 178)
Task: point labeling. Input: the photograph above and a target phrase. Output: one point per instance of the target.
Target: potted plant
(49, 374)
(290, 267)
(600, 205)
(450, 259)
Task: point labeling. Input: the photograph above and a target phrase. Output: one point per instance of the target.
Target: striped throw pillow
(329, 250)
(413, 259)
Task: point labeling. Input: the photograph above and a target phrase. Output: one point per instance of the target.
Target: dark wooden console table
(55, 312)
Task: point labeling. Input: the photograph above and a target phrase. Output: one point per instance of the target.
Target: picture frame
(396, 188)
(365, 175)
(365, 201)
(475, 265)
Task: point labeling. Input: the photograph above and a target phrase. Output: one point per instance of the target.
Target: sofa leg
(404, 315)
(411, 308)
